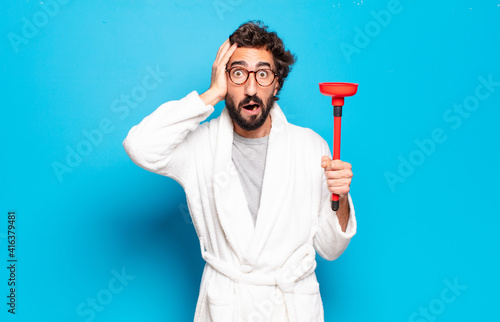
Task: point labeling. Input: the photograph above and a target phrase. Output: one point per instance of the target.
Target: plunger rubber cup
(337, 91)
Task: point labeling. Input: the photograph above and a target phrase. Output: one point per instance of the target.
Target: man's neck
(262, 131)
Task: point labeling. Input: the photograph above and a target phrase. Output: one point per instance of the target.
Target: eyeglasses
(239, 75)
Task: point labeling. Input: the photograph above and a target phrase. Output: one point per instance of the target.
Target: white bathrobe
(261, 273)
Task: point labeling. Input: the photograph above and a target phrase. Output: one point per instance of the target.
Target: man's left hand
(338, 175)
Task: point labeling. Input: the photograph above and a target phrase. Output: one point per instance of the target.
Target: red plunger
(337, 91)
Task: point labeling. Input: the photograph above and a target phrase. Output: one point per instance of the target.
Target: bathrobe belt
(299, 265)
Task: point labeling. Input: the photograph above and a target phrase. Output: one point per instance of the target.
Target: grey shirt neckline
(245, 140)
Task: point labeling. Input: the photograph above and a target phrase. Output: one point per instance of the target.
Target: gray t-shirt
(249, 157)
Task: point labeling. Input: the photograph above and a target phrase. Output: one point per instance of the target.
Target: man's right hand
(218, 86)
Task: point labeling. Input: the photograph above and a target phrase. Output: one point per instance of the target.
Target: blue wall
(421, 133)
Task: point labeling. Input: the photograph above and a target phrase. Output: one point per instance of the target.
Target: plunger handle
(337, 121)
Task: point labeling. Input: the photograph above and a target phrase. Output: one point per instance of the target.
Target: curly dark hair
(254, 34)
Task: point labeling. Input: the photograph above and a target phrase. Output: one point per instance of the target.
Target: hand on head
(218, 86)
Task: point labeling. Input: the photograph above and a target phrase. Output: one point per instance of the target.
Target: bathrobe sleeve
(158, 143)
(330, 241)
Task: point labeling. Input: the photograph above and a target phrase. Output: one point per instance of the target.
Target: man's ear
(276, 86)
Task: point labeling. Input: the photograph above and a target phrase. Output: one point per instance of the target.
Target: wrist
(211, 97)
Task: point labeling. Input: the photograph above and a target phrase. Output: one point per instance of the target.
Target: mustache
(249, 99)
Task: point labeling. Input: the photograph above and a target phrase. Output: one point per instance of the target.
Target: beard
(255, 121)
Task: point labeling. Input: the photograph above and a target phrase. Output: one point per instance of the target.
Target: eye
(263, 73)
(238, 73)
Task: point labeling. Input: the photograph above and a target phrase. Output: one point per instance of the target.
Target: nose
(251, 85)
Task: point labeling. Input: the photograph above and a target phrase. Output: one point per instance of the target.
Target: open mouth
(251, 107)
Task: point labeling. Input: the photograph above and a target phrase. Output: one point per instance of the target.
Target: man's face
(249, 104)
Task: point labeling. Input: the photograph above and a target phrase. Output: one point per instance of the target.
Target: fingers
(224, 53)
(338, 182)
(222, 48)
(228, 54)
(329, 164)
(337, 165)
(340, 190)
(338, 175)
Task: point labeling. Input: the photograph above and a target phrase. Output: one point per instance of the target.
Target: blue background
(421, 226)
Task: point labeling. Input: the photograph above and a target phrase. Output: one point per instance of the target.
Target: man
(258, 188)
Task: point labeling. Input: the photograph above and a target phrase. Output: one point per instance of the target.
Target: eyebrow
(244, 63)
(239, 62)
(263, 63)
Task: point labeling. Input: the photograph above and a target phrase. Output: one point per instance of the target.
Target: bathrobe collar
(234, 216)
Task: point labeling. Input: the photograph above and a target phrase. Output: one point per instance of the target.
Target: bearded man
(258, 188)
